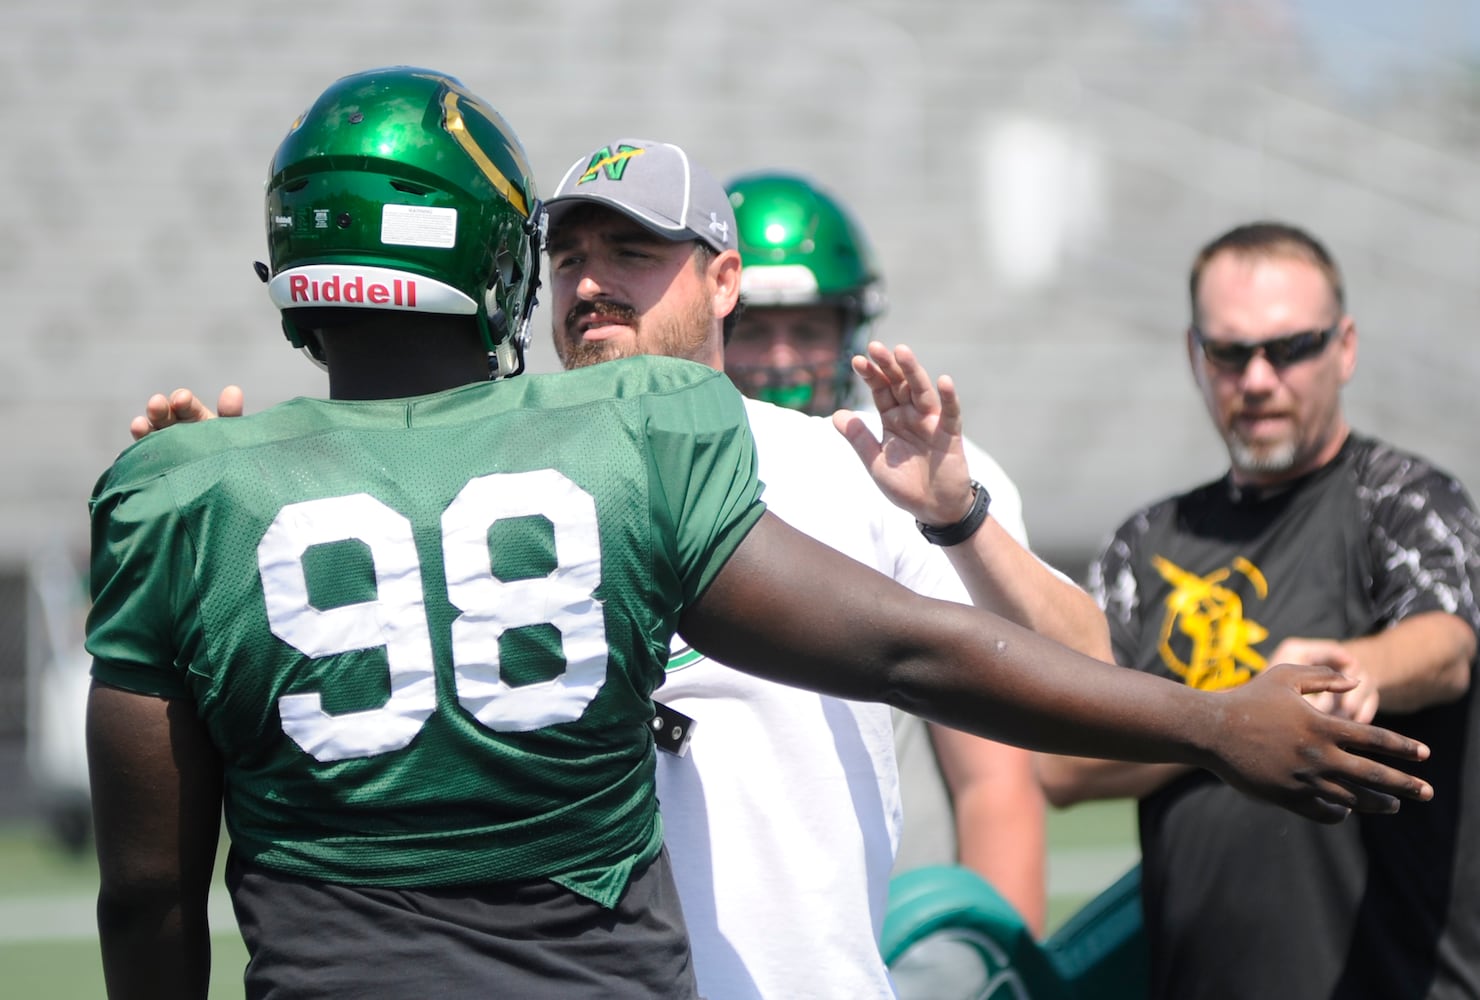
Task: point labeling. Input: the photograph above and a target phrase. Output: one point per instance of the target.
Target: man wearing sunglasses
(1319, 545)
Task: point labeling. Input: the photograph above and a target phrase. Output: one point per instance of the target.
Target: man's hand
(182, 407)
(1359, 703)
(921, 464)
(1282, 749)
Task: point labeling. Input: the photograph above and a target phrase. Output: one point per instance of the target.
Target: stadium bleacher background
(1036, 175)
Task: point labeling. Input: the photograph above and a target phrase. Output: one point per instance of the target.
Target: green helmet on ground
(801, 247)
(398, 189)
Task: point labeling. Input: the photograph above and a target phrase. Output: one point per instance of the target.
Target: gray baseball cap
(654, 183)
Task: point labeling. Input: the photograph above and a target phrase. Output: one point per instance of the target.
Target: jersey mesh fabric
(187, 571)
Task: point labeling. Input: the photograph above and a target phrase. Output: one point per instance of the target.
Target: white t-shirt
(783, 819)
(928, 835)
(1007, 502)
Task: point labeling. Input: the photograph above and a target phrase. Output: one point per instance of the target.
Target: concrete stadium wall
(1036, 175)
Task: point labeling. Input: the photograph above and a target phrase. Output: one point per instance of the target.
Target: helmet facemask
(817, 386)
(801, 248)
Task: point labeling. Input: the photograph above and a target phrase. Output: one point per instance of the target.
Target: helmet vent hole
(297, 185)
(406, 187)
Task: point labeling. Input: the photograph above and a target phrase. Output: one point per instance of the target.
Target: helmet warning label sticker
(418, 226)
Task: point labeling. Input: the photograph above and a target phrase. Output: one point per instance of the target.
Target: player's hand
(182, 407)
(1276, 746)
(920, 464)
(1360, 703)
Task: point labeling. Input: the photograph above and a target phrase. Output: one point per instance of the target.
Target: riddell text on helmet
(354, 291)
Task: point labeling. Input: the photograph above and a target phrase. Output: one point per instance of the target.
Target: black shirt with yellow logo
(1244, 899)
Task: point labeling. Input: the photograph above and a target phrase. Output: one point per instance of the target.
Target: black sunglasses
(1280, 352)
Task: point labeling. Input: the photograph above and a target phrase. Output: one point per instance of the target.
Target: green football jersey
(424, 632)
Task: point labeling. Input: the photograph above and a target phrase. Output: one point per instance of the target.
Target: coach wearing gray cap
(654, 183)
(643, 208)
(782, 819)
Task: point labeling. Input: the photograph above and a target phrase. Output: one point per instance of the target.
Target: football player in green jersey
(812, 290)
(408, 635)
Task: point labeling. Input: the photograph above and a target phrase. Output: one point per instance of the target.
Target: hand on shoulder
(183, 407)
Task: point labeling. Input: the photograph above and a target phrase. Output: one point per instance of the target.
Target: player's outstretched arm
(156, 794)
(790, 609)
(920, 465)
(182, 407)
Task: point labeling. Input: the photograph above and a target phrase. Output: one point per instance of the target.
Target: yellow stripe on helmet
(459, 132)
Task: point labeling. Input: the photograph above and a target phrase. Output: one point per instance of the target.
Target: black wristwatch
(955, 534)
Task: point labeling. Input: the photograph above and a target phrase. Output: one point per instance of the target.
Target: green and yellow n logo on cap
(613, 164)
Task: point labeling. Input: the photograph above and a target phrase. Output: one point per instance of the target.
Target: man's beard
(1262, 459)
(682, 336)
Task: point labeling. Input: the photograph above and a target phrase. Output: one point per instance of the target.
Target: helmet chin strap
(508, 358)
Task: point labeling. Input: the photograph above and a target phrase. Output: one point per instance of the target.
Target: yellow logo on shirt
(1205, 638)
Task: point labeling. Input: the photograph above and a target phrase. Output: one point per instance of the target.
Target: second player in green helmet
(399, 189)
(810, 286)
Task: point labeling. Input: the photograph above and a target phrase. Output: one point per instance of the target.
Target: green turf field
(48, 940)
(48, 946)
(1089, 847)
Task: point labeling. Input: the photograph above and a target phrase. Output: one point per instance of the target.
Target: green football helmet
(801, 247)
(399, 189)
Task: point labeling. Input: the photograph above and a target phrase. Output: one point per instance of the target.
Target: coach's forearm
(1004, 577)
(1420, 662)
(1067, 781)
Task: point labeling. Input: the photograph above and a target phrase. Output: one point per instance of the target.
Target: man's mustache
(615, 312)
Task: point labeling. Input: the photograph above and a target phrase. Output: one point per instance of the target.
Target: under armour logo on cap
(654, 183)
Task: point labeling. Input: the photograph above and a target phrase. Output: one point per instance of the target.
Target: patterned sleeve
(1424, 538)
(1112, 583)
(705, 468)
